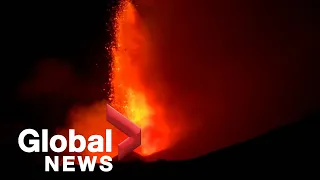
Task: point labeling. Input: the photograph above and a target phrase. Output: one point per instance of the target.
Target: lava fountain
(130, 52)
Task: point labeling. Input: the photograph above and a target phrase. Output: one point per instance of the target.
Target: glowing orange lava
(130, 97)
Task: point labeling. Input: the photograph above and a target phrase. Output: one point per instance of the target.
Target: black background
(62, 35)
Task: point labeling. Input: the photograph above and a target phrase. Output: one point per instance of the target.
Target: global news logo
(95, 143)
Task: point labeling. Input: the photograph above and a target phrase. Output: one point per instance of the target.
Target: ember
(129, 95)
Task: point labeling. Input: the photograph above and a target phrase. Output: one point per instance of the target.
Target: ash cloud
(49, 77)
(230, 70)
(53, 91)
(53, 77)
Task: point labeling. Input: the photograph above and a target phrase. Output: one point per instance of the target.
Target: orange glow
(129, 95)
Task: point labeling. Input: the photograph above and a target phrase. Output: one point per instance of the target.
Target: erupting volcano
(129, 96)
(130, 53)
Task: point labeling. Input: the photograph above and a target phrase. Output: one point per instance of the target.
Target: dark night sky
(245, 64)
(72, 34)
(55, 45)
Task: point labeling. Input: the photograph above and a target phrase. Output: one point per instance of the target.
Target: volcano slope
(290, 149)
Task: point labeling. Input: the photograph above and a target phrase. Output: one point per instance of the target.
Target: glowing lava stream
(129, 96)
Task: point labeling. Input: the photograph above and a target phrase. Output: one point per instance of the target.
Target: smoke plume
(228, 70)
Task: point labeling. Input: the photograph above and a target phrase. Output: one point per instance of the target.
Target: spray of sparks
(125, 96)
